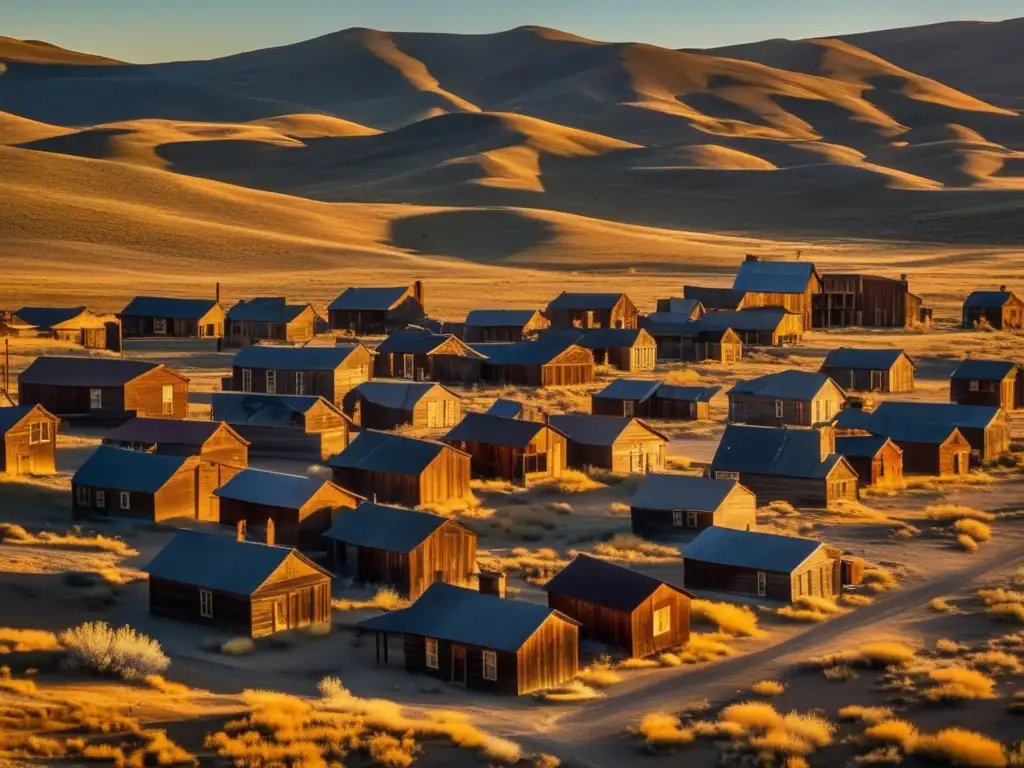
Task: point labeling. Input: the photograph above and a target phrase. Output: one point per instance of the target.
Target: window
(100, 499)
(720, 475)
(83, 495)
(490, 665)
(628, 408)
(300, 383)
(271, 382)
(677, 518)
(662, 620)
(779, 409)
(828, 410)
(409, 366)
(975, 386)
(246, 380)
(430, 645)
(691, 519)
(737, 410)
(206, 603)
(126, 500)
(159, 326)
(762, 583)
(877, 380)
(39, 433)
(95, 399)
(167, 399)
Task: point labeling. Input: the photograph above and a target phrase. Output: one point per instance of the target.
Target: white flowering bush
(96, 647)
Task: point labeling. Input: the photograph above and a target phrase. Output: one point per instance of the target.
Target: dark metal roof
(852, 418)
(274, 489)
(10, 416)
(510, 409)
(276, 357)
(264, 410)
(397, 393)
(963, 416)
(666, 491)
(596, 430)
(380, 299)
(165, 306)
(266, 309)
(972, 369)
(382, 526)
(750, 549)
(465, 616)
(45, 318)
(862, 359)
(169, 431)
(585, 301)
(524, 352)
(773, 276)
(669, 323)
(687, 394)
(629, 389)
(981, 299)
(494, 430)
(714, 298)
(683, 306)
(913, 432)
(412, 342)
(374, 451)
(84, 371)
(784, 385)
(606, 584)
(613, 338)
(744, 320)
(125, 470)
(860, 446)
(504, 318)
(774, 451)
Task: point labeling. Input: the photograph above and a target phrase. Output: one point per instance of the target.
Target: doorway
(25, 464)
(459, 664)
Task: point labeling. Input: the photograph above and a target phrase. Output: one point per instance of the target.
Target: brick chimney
(271, 533)
(417, 292)
(827, 434)
(241, 529)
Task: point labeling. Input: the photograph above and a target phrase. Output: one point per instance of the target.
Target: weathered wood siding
(738, 510)
(764, 411)
(177, 499)
(301, 527)
(623, 315)
(544, 457)
(815, 577)
(800, 491)
(883, 470)
(952, 457)
(1010, 316)
(25, 452)
(899, 378)
(209, 326)
(438, 409)
(550, 657)
(636, 451)
(865, 300)
(143, 396)
(998, 394)
(481, 334)
(378, 321)
(445, 479)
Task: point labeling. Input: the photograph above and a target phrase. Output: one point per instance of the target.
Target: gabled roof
(852, 418)
(860, 446)
(539, 352)
(110, 467)
(612, 338)
(504, 318)
(686, 394)
(168, 431)
(509, 409)
(982, 299)
(666, 491)
(466, 616)
(11, 416)
(45, 318)
(416, 342)
(774, 276)
(972, 369)
(750, 549)
(683, 306)
(494, 430)
(668, 323)
(743, 320)
(255, 409)
(221, 563)
(606, 584)
(85, 371)
(166, 306)
(382, 526)
(629, 389)
(963, 416)
(585, 301)
(863, 359)
(596, 430)
(274, 489)
(281, 358)
(373, 451)
(773, 451)
(380, 299)
(784, 385)
(266, 309)
(715, 298)
(913, 432)
(397, 393)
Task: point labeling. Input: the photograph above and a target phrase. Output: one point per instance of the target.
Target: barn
(269, 319)
(423, 356)
(993, 383)
(876, 459)
(620, 607)
(986, 427)
(510, 449)
(163, 316)
(788, 398)
(854, 299)
(76, 325)
(870, 370)
(788, 284)
(401, 548)
(502, 325)
(592, 310)
(242, 587)
(482, 642)
(672, 503)
(391, 403)
(330, 372)
(619, 444)
(377, 310)
(551, 363)
(29, 434)
(1002, 310)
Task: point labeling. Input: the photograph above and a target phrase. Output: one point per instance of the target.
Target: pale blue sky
(162, 30)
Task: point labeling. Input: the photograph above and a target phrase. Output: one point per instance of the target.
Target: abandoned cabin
(679, 338)
(755, 327)
(621, 608)
(755, 564)
(301, 507)
(213, 442)
(510, 449)
(626, 349)
(424, 356)
(794, 398)
(618, 444)
(29, 434)
(104, 389)
(389, 403)
(482, 642)
(592, 310)
(691, 309)
(401, 548)
(797, 465)
(995, 383)
(928, 449)
(877, 460)
(117, 482)
(652, 399)
(502, 325)
(246, 588)
(986, 428)
(870, 370)
(12, 326)
(330, 372)
(402, 470)
(1002, 310)
(375, 311)
(269, 319)
(669, 503)
(715, 299)
(284, 426)
(75, 325)
(550, 363)
(852, 299)
(148, 316)
(788, 284)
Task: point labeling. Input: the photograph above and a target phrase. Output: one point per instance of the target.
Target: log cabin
(401, 548)
(104, 389)
(75, 325)
(755, 327)
(716, 299)
(551, 363)
(870, 370)
(766, 565)
(390, 403)
(628, 349)
(402, 470)
(167, 317)
(213, 442)
(986, 382)
(620, 607)
(986, 428)
(679, 338)
(301, 508)
(330, 372)
(376, 311)
(482, 642)
(876, 459)
(270, 320)
(502, 325)
(652, 399)
(510, 449)
(667, 503)
(788, 284)
(620, 445)
(285, 426)
(872, 301)
(592, 310)
(788, 398)
(1002, 310)
(798, 465)
(423, 356)
(689, 308)
(29, 435)
(246, 588)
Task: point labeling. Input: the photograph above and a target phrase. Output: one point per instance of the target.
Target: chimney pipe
(241, 529)
(417, 292)
(216, 291)
(271, 533)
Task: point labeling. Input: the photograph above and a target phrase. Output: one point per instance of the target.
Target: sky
(166, 30)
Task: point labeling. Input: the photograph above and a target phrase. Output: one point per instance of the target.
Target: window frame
(271, 382)
(975, 385)
(677, 518)
(126, 499)
(34, 433)
(489, 666)
(300, 383)
(99, 499)
(206, 603)
(95, 399)
(247, 379)
(84, 495)
(431, 657)
(780, 409)
(762, 584)
(167, 399)
(661, 621)
(159, 326)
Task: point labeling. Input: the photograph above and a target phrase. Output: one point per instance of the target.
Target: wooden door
(433, 418)
(459, 664)
(555, 459)
(451, 413)
(25, 464)
(280, 615)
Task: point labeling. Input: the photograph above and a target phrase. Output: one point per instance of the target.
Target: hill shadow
(487, 236)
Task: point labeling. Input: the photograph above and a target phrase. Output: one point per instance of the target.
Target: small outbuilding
(592, 310)
(330, 372)
(680, 338)
(755, 326)
(270, 319)
(391, 403)
(680, 306)
(424, 356)
(870, 370)
(509, 409)
(619, 444)
(788, 284)
(876, 459)
(214, 442)
(788, 398)
(673, 503)
(510, 449)
(29, 434)
(625, 349)
(375, 311)
(502, 325)
(546, 363)
(653, 399)
(75, 325)
(928, 449)
(167, 317)
(995, 383)
(1002, 310)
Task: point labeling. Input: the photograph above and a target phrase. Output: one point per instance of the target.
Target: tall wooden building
(793, 398)
(872, 301)
(622, 445)
(330, 372)
(391, 403)
(76, 325)
(788, 284)
(502, 325)
(592, 310)
(29, 440)
(1002, 310)
(550, 363)
(996, 383)
(510, 449)
(673, 503)
(163, 316)
(424, 356)
(870, 370)
(269, 319)
(374, 311)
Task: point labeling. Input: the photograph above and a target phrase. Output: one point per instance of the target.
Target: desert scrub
(768, 688)
(631, 548)
(384, 599)
(868, 715)
(953, 512)
(966, 543)
(879, 579)
(599, 676)
(728, 618)
(25, 640)
(976, 529)
(959, 684)
(570, 692)
(660, 729)
(810, 608)
(942, 605)
(123, 652)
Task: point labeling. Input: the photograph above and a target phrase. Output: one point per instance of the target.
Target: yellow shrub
(158, 683)
(26, 640)
(779, 741)
(239, 646)
(958, 746)
(944, 512)
(959, 684)
(869, 715)
(942, 605)
(996, 661)
(599, 676)
(768, 688)
(879, 579)
(661, 729)
(670, 660)
(966, 543)
(945, 645)
(755, 715)
(736, 620)
(898, 732)
(886, 653)
(813, 729)
(638, 664)
(976, 529)
(857, 600)
(705, 648)
(1007, 612)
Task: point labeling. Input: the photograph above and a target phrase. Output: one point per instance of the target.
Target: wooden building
(994, 383)
(243, 587)
(502, 325)
(550, 363)
(401, 548)
(938, 450)
(679, 338)
(75, 325)
(621, 445)
(12, 326)
(482, 642)
(592, 310)
(798, 465)
(668, 503)
(870, 370)
(116, 482)
(162, 316)
(689, 308)
(788, 284)
(284, 426)
(852, 299)
(986, 428)
(652, 399)
(106, 389)
(301, 508)
(330, 372)
(424, 356)
(510, 449)
(876, 459)
(716, 299)
(794, 398)
(754, 327)
(213, 442)
(376, 311)
(390, 403)
(29, 434)
(626, 349)
(767, 565)
(620, 607)
(402, 470)
(1002, 310)
(269, 320)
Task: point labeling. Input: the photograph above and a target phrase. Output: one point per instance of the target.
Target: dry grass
(879, 579)
(768, 688)
(942, 605)
(128, 654)
(945, 645)
(899, 733)
(630, 548)
(868, 715)
(660, 729)
(237, 646)
(1007, 612)
(753, 715)
(384, 599)
(959, 746)
(599, 676)
(728, 618)
(841, 673)
(876, 655)
(810, 608)
(74, 539)
(544, 760)
(996, 662)
(953, 512)
(855, 600)
(966, 543)
(570, 692)
(1003, 604)
(618, 509)
(572, 481)
(634, 663)
(976, 529)
(158, 683)
(26, 640)
(703, 648)
(536, 566)
(857, 512)
(959, 684)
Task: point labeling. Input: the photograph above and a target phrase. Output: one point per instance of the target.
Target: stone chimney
(492, 583)
(827, 435)
(241, 529)
(271, 533)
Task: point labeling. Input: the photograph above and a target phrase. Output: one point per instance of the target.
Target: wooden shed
(794, 398)
(330, 372)
(870, 370)
(1002, 310)
(551, 363)
(620, 607)
(623, 445)
(401, 548)
(876, 459)
(269, 319)
(390, 403)
(402, 470)
(29, 434)
(213, 442)
(482, 642)
(986, 382)
(513, 409)
(76, 325)
(626, 349)
(592, 310)
(680, 338)
(105, 389)
(423, 356)
(673, 503)
(625, 397)
(374, 311)
(242, 587)
(873, 301)
(166, 317)
(510, 449)
(756, 564)
(301, 507)
(754, 327)
(788, 284)
(986, 427)
(502, 325)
